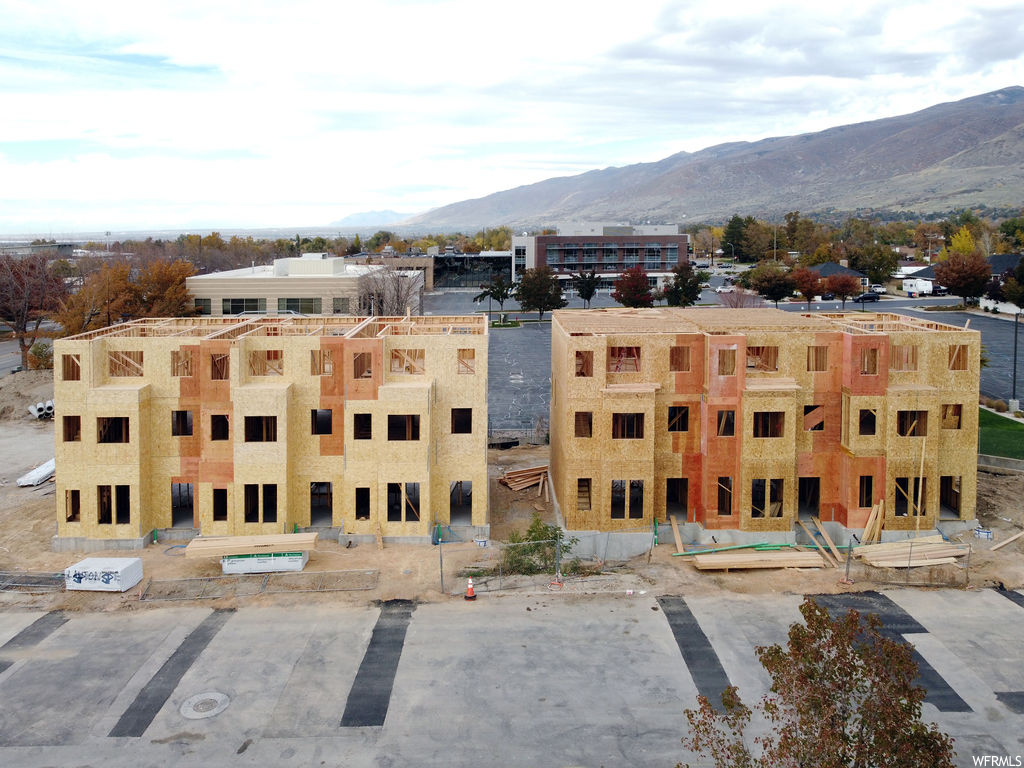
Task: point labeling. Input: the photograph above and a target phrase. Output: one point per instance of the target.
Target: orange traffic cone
(470, 594)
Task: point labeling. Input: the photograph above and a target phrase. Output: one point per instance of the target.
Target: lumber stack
(923, 550)
(222, 546)
(520, 479)
(873, 527)
(724, 561)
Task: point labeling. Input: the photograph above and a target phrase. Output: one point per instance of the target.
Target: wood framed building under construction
(253, 425)
(750, 418)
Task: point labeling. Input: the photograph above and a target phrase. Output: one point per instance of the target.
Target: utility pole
(1014, 402)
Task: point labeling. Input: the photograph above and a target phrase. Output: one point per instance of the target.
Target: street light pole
(1013, 388)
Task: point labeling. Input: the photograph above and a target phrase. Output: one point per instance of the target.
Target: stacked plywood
(724, 561)
(923, 550)
(220, 546)
(520, 479)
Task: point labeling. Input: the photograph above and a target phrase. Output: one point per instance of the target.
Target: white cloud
(272, 114)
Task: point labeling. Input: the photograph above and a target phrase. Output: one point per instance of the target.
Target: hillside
(960, 154)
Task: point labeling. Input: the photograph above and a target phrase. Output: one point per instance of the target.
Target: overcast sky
(135, 115)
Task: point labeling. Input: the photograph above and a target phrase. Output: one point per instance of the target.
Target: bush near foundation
(842, 695)
(534, 551)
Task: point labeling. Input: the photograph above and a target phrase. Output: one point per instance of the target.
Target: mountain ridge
(955, 154)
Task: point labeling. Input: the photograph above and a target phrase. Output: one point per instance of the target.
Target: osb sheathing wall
(835, 453)
(153, 459)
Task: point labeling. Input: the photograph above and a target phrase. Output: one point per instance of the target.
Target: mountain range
(960, 154)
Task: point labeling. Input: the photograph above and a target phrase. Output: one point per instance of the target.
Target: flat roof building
(606, 249)
(311, 284)
(749, 418)
(236, 426)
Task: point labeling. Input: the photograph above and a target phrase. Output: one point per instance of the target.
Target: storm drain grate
(15, 581)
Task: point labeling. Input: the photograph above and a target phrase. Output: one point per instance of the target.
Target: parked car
(828, 296)
(724, 289)
(940, 290)
(876, 288)
(866, 297)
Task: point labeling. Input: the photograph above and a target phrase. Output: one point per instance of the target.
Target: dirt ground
(27, 523)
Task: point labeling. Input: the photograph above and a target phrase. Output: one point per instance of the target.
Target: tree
(385, 291)
(632, 289)
(769, 280)
(105, 297)
(683, 290)
(733, 237)
(842, 694)
(499, 290)
(964, 275)
(877, 261)
(843, 286)
(29, 293)
(586, 285)
(539, 290)
(807, 283)
(1013, 288)
(161, 291)
(355, 246)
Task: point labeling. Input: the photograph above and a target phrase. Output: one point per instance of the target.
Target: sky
(170, 115)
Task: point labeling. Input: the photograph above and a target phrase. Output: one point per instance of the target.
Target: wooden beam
(1003, 543)
(221, 546)
(675, 533)
(824, 554)
(827, 538)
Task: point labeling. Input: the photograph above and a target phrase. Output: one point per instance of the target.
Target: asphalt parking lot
(546, 679)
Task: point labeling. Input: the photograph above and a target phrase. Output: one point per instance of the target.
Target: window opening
(817, 358)
(362, 503)
(763, 359)
(725, 496)
(866, 421)
(958, 357)
(678, 418)
(727, 362)
(321, 362)
(220, 505)
(362, 365)
(407, 361)
(627, 426)
(869, 361)
(912, 423)
(181, 363)
(679, 359)
(726, 423)
(583, 494)
(219, 428)
(71, 368)
(73, 506)
(321, 421)
(584, 423)
(462, 421)
(220, 367)
(584, 363)
(181, 423)
(266, 362)
(952, 415)
(769, 423)
(362, 426)
(865, 496)
(124, 362)
(403, 427)
(623, 359)
(814, 418)
(72, 429)
(112, 429)
(261, 429)
(467, 361)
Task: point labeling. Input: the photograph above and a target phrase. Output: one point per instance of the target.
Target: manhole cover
(202, 705)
